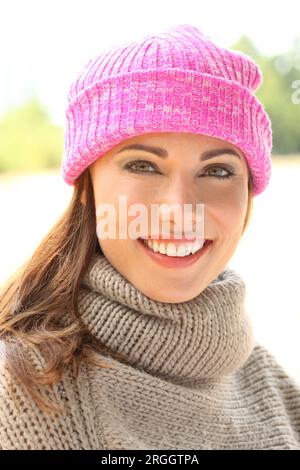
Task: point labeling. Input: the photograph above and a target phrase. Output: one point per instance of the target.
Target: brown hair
(250, 203)
(33, 299)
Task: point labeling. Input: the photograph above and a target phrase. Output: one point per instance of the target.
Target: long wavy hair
(33, 299)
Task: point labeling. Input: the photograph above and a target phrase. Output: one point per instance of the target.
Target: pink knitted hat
(175, 81)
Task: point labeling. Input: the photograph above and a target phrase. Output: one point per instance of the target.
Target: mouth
(171, 260)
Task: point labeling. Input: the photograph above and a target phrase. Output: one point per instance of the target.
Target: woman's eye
(228, 173)
(140, 166)
(143, 166)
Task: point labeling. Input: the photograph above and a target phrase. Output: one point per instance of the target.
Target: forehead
(194, 142)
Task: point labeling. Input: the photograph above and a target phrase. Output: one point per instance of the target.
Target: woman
(143, 341)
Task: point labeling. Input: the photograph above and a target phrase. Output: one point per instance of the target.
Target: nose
(178, 204)
(178, 190)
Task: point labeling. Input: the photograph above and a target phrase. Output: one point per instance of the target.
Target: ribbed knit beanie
(174, 81)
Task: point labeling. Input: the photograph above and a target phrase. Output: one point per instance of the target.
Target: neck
(206, 337)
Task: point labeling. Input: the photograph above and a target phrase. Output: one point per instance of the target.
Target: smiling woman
(165, 168)
(144, 342)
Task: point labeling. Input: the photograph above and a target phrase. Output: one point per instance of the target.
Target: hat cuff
(167, 100)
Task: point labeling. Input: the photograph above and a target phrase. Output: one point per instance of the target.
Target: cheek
(110, 185)
(228, 208)
(134, 197)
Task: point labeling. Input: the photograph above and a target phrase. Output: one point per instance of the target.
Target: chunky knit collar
(206, 337)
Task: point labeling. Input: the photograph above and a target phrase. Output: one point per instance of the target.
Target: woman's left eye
(140, 164)
(229, 172)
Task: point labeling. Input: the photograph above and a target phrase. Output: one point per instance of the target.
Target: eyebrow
(162, 153)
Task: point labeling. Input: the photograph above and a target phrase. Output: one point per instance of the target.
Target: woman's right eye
(138, 165)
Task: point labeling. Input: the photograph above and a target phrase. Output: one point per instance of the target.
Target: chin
(171, 298)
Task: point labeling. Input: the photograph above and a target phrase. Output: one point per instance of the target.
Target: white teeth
(170, 249)
(181, 250)
(162, 248)
(155, 246)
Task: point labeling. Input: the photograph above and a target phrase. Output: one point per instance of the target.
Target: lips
(174, 240)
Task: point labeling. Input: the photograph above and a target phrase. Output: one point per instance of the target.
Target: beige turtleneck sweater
(192, 377)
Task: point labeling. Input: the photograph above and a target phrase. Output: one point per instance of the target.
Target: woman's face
(181, 177)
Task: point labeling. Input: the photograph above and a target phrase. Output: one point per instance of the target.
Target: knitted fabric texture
(175, 81)
(208, 336)
(164, 394)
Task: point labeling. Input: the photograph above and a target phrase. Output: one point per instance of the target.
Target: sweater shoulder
(10, 412)
(264, 371)
(263, 361)
(19, 414)
(24, 426)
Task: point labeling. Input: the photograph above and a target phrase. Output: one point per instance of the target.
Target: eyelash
(128, 166)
